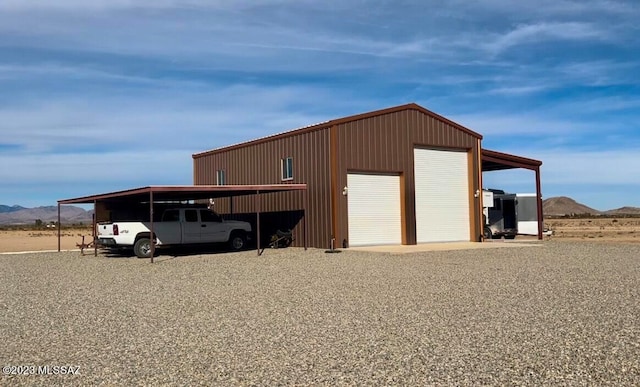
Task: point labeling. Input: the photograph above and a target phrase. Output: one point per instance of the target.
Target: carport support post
(539, 200)
(59, 227)
(306, 205)
(94, 231)
(258, 220)
(153, 245)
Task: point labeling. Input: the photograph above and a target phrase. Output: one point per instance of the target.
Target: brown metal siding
(385, 144)
(375, 143)
(260, 164)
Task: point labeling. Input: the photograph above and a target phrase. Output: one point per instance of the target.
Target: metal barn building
(402, 175)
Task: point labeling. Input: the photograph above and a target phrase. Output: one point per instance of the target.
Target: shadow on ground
(178, 251)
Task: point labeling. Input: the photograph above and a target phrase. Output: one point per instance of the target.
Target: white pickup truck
(178, 226)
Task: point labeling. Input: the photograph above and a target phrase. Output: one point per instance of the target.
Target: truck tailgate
(105, 229)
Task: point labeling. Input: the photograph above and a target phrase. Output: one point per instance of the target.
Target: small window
(287, 168)
(191, 215)
(220, 180)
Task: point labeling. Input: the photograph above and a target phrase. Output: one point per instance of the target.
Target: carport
(179, 193)
(497, 161)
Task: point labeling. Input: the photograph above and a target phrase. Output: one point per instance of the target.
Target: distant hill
(21, 215)
(4, 209)
(562, 205)
(624, 211)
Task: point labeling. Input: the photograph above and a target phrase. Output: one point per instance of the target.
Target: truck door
(168, 229)
(212, 229)
(191, 227)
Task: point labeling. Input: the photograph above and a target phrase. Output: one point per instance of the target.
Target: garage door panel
(441, 193)
(374, 209)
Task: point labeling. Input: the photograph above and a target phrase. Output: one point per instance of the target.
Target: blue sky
(103, 95)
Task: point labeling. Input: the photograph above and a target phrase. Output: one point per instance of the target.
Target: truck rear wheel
(142, 248)
(487, 234)
(237, 240)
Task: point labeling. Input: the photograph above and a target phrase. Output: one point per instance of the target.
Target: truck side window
(191, 215)
(171, 216)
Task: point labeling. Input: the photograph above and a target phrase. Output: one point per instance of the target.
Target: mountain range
(562, 205)
(10, 215)
(5, 209)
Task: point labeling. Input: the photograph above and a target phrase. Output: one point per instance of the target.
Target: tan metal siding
(260, 164)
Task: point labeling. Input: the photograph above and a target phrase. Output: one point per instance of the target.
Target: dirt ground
(41, 240)
(594, 229)
(599, 229)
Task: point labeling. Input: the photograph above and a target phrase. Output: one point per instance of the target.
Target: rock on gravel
(560, 313)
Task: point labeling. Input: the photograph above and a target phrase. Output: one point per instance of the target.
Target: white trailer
(527, 213)
(499, 214)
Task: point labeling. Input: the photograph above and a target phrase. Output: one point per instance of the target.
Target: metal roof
(184, 192)
(496, 161)
(339, 121)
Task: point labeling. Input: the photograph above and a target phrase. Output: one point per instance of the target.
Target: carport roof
(496, 161)
(184, 192)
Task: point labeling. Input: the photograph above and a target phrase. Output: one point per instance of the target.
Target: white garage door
(442, 196)
(374, 209)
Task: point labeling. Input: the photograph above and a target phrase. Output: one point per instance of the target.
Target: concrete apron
(405, 249)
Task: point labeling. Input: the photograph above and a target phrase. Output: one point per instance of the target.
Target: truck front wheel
(237, 240)
(142, 248)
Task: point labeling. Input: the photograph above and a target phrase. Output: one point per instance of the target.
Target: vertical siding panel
(360, 139)
(351, 150)
(359, 151)
(380, 136)
(376, 151)
(392, 141)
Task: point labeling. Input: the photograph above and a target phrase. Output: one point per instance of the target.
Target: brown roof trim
(509, 160)
(339, 121)
(182, 192)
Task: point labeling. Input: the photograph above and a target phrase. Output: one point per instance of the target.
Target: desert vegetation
(601, 228)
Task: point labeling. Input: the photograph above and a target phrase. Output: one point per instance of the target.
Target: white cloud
(256, 34)
(612, 166)
(520, 90)
(146, 166)
(567, 166)
(600, 72)
(165, 118)
(549, 8)
(494, 125)
(93, 5)
(545, 31)
(76, 73)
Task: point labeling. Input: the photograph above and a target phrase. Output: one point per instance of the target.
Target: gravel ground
(560, 313)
